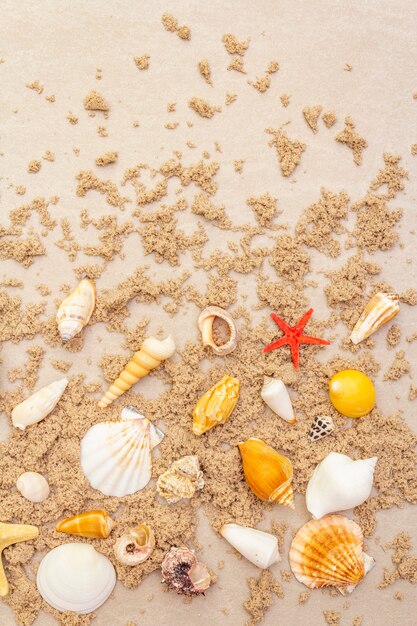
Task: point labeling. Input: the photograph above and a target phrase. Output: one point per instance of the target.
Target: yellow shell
(352, 393)
(327, 552)
(267, 472)
(216, 405)
(379, 310)
(92, 524)
(75, 311)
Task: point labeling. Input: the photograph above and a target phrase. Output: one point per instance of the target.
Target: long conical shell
(33, 486)
(267, 472)
(136, 546)
(379, 310)
(275, 394)
(39, 404)
(216, 405)
(91, 524)
(151, 354)
(10, 534)
(116, 456)
(258, 547)
(75, 311)
(205, 324)
(328, 553)
(339, 483)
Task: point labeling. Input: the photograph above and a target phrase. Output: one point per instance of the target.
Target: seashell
(205, 324)
(328, 553)
(116, 456)
(379, 310)
(321, 427)
(183, 573)
(216, 405)
(352, 393)
(9, 535)
(75, 311)
(151, 354)
(181, 480)
(267, 472)
(258, 547)
(33, 486)
(35, 408)
(75, 577)
(339, 483)
(91, 524)
(275, 394)
(136, 546)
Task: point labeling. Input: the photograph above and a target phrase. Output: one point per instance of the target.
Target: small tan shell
(35, 408)
(182, 572)
(76, 309)
(205, 324)
(181, 480)
(379, 310)
(33, 486)
(136, 546)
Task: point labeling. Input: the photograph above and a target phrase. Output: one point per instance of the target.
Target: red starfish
(293, 336)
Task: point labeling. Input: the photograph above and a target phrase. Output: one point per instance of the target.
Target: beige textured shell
(379, 310)
(205, 324)
(181, 480)
(75, 311)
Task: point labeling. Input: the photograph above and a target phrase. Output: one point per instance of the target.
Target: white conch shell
(258, 547)
(75, 577)
(275, 394)
(116, 456)
(39, 404)
(339, 483)
(76, 309)
(33, 486)
(379, 310)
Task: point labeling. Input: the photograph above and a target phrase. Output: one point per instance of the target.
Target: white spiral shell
(76, 309)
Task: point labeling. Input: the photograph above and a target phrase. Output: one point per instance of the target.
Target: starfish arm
(295, 353)
(276, 344)
(315, 340)
(280, 322)
(4, 585)
(303, 321)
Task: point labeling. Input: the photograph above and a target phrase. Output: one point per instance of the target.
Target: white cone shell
(275, 394)
(75, 577)
(38, 405)
(258, 547)
(116, 456)
(339, 483)
(33, 486)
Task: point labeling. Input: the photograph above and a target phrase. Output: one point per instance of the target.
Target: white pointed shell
(75, 577)
(258, 547)
(76, 309)
(39, 404)
(275, 394)
(379, 310)
(116, 456)
(339, 483)
(33, 486)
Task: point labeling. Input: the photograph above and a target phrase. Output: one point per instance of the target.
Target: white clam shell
(33, 486)
(35, 408)
(275, 394)
(116, 456)
(339, 483)
(258, 547)
(75, 577)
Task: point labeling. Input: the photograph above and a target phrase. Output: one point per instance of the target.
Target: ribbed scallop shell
(116, 456)
(379, 310)
(75, 311)
(328, 553)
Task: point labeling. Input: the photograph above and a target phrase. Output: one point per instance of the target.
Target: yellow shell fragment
(75, 311)
(267, 472)
(379, 310)
(205, 324)
(352, 393)
(216, 405)
(10, 534)
(91, 524)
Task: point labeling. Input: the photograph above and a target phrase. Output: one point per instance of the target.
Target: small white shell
(275, 394)
(35, 408)
(33, 486)
(205, 324)
(258, 547)
(339, 483)
(76, 309)
(75, 577)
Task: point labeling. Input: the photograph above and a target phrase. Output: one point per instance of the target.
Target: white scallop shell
(39, 404)
(75, 577)
(33, 486)
(258, 547)
(116, 456)
(339, 483)
(76, 309)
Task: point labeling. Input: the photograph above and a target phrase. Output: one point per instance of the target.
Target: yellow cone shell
(352, 393)
(216, 405)
(92, 524)
(267, 472)
(379, 310)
